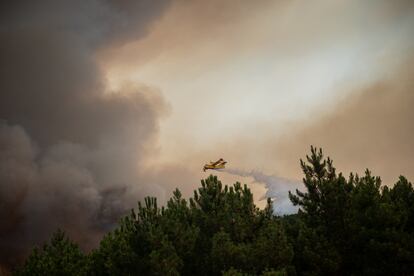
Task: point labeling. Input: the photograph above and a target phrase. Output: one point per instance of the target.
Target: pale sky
(238, 75)
(228, 71)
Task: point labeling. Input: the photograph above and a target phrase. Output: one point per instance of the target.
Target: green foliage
(233, 272)
(351, 226)
(59, 257)
(355, 225)
(219, 229)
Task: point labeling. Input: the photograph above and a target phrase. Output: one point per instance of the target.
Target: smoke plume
(277, 188)
(372, 128)
(70, 151)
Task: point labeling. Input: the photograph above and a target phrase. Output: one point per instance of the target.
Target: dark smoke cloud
(70, 154)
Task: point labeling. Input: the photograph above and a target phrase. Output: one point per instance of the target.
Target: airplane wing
(217, 162)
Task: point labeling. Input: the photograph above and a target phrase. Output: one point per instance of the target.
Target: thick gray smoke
(70, 154)
(277, 189)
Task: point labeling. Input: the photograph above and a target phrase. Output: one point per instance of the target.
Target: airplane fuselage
(215, 166)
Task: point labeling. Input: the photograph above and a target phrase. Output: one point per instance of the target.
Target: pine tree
(59, 257)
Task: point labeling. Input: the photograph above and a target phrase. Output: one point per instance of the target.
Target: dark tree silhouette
(351, 226)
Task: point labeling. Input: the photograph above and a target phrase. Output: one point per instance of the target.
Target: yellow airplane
(219, 164)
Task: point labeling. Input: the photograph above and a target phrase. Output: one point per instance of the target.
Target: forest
(345, 226)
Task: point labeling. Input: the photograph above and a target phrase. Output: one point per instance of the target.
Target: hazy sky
(242, 77)
(103, 102)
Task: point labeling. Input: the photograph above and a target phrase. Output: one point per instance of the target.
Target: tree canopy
(344, 226)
